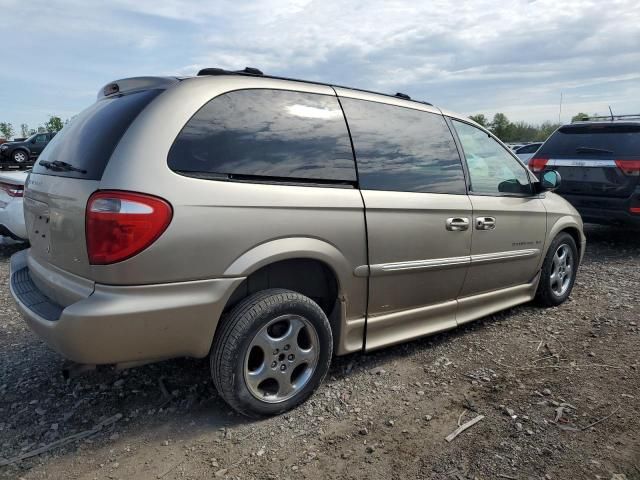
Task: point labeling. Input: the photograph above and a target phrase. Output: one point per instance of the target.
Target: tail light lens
(120, 225)
(537, 164)
(13, 190)
(629, 167)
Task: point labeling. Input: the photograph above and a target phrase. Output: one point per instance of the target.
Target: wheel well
(309, 277)
(576, 237)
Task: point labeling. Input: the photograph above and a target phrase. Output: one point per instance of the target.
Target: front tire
(20, 156)
(271, 352)
(558, 273)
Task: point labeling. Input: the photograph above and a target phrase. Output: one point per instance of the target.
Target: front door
(509, 222)
(418, 218)
(38, 144)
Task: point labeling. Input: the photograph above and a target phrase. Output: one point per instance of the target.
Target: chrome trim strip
(501, 256)
(580, 162)
(412, 266)
(416, 266)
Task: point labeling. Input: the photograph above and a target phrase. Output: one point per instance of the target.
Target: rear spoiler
(134, 84)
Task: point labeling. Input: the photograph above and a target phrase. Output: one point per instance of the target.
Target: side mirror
(33, 141)
(550, 180)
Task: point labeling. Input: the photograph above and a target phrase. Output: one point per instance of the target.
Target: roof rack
(251, 71)
(611, 118)
(222, 71)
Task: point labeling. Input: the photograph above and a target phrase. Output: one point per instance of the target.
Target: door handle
(457, 224)
(485, 223)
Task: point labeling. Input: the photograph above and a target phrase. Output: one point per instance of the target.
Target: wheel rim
(562, 270)
(19, 157)
(281, 358)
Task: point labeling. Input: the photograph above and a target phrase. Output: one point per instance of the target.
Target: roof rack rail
(251, 71)
(611, 118)
(222, 71)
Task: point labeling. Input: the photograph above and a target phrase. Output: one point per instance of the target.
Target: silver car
(269, 223)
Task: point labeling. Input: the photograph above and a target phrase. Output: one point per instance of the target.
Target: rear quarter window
(88, 141)
(267, 134)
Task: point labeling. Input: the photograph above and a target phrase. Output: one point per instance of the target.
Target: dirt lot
(559, 391)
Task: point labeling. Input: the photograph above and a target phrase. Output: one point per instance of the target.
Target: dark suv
(599, 161)
(23, 153)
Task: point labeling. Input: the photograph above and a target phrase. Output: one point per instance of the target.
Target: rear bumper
(606, 210)
(12, 219)
(124, 324)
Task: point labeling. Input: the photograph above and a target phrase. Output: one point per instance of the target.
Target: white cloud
(514, 56)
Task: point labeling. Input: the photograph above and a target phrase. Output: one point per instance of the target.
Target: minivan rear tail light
(537, 164)
(120, 224)
(12, 190)
(629, 167)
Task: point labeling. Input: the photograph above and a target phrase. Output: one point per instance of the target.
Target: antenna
(611, 112)
(560, 112)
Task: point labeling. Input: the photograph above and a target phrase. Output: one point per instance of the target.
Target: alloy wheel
(281, 358)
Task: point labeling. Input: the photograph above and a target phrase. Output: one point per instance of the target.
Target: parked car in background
(11, 206)
(599, 161)
(525, 152)
(22, 153)
(234, 215)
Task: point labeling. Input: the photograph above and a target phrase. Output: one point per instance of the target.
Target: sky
(482, 56)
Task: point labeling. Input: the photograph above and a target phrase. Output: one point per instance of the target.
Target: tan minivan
(269, 223)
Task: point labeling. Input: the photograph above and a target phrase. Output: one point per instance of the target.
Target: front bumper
(123, 324)
(606, 210)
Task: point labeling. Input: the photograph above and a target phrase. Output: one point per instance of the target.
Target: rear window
(614, 141)
(269, 134)
(88, 141)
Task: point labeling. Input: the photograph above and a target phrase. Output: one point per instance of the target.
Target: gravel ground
(558, 389)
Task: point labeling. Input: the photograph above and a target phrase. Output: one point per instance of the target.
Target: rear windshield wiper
(60, 166)
(592, 150)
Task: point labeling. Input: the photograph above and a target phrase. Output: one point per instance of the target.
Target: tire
(259, 366)
(557, 279)
(20, 156)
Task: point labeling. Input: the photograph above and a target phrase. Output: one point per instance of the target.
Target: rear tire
(271, 352)
(558, 273)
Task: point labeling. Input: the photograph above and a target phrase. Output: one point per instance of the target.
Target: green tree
(480, 119)
(546, 129)
(500, 126)
(6, 129)
(579, 116)
(54, 124)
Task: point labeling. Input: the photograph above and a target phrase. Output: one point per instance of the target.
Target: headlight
(4, 147)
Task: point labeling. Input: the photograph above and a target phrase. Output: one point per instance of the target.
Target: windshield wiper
(592, 149)
(60, 166)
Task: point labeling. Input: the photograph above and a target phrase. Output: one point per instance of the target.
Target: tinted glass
(401, 149)
(88, 141)
(528, 149)
(41, 138)
(267, 133)
(492, 169)
(619, 141)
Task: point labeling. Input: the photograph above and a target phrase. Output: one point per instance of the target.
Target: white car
(525, 152)
(11, 212)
